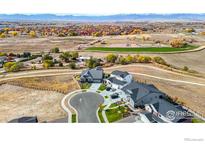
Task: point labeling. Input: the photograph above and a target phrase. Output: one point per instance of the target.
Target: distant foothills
(103, 18)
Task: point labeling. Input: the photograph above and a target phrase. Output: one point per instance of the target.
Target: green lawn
(100, 114)
(101, 117)
(142, 49)
(73, 118)
(102, 87)
(113, 105)
(197, 121)
(106, 97)
(115, 114)
(85, 85)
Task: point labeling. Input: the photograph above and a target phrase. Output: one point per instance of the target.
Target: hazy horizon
(99, 7)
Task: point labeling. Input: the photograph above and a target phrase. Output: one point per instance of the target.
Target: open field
(41, 44)
(17, 102)
(63, 84)
(193, 60)
(139, 50)
(32, 98)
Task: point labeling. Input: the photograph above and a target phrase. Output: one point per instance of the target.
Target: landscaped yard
(74, 118)
(100, 113)
(140, 49)
(197, 121)
(116, 113)
(102, 87)
(85, 85)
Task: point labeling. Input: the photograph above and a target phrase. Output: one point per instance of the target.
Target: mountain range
(103, 18)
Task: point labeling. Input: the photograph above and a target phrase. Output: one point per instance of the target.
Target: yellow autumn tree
(32, 34)
(177, 43)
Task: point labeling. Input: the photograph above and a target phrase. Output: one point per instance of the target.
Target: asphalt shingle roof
(116, 81)
(120, 73)
(139, 90)
(94, 73)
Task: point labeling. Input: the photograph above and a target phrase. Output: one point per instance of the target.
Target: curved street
(86, 105)
(40, 73)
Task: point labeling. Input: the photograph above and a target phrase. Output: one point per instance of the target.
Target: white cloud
(101, 6)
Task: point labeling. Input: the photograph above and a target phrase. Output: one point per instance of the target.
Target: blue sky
(101, 7)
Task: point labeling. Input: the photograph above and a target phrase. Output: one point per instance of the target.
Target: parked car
(115, 95)
(108, 88)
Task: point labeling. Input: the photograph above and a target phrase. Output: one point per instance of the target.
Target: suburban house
(153, 101)
(3, 59)
(118, 79)
(94, 75)
(138, 94)
(25, 120)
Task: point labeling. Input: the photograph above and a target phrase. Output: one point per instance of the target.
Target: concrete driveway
(86, 104)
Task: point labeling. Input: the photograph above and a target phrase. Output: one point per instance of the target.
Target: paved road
(54, 72)
(86, 105)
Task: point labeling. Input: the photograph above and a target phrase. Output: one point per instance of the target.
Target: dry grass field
(18, 101)
(193, 60)
(63, 84)
(32, 97)
(41, 44)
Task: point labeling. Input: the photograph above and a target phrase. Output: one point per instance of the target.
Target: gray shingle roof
(164, 106)
(139, 90)
(25, 120)
(94, 73)
(116, 81)
(120, 73)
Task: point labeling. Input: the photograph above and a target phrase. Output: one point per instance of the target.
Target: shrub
(60, 64)
(47, 57)
(2, 54)
(159, 60)
(111, 58)
(13, 66)
(65, 56)
(74, 55)
(55, 50)
(144, 59)
(186, 68)
(92, 62)
(122, 61)
(72, 65)
(129, 59)
(48, 63)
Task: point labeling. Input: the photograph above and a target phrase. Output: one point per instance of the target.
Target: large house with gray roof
(153, 101)
(118, 79)
(94, 75)
(138, 94)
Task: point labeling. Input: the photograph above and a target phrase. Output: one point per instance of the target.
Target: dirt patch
(18, 101)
